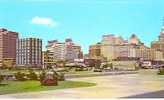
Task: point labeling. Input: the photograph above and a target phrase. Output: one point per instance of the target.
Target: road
(115, 86)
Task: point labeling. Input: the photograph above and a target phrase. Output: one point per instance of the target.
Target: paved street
(107, 87)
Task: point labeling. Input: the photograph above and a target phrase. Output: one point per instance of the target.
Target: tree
(8, 63)
(32, 75)
(161, 71)
(48, 79)
(1, 78)
(42, 76)
(111, 65)
(20, 76)
(61, 63)
(61, 76)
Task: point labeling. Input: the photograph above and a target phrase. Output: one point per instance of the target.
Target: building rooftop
(3, 29)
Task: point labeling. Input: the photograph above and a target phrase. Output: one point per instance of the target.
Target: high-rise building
(110, 45)
(161, 36)
(7, 47)
(70, 52)
(134, 40)
(112, 39)
(159, 44)
(65, 51)
(29, 52)
(95, 51)
(116, 48)
(78, 51)
(47, 59)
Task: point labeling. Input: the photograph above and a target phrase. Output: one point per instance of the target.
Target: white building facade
(29, 52)
(63, 50)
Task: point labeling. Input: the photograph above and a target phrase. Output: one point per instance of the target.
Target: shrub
(61, 76)
(20, 76)
(42, 75)
(48, 79)
(161, 71)
(79, 69)
(1, 78)
(111, 65)
(32, 75)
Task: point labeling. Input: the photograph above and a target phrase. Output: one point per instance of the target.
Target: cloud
(43, 21)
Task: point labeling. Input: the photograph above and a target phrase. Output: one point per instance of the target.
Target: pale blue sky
(85, 21)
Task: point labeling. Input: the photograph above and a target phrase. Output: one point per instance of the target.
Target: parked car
(97, 70)
(107, 69)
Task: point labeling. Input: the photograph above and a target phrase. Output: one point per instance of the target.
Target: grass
(10, 72)
(33, 86)
(161, 72)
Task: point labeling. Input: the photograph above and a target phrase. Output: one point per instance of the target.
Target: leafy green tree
(48, 79)
(161, 71)
(42, 75)
(20, 76)
(32, 75)
(1, 78)
(110, 65)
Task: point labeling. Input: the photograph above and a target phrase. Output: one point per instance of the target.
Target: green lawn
(31, 86)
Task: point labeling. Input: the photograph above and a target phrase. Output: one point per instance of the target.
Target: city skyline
(48, 19)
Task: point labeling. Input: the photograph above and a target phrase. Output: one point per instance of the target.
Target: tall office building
(47, 59)
(78, 51)
(57, 49)
(7, 46)
(116, 48)
(95, 51)
(159, 44)
(109, 45)
(66, 51)
(134, 40)
(161, 36)
(29, 52)
(111, 39)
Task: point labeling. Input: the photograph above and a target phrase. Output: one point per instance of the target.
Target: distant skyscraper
(78, 51)
(67, 51)
(95, 51)
(47, 59)
(161, 36)
(116, 48)
(159, 45)
(109, 46)
(7, 46)
(134, 40)
(29, 52)
(112, 39)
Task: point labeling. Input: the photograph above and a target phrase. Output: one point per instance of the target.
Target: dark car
(97, 70)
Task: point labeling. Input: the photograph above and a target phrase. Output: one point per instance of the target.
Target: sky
(85, 21)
